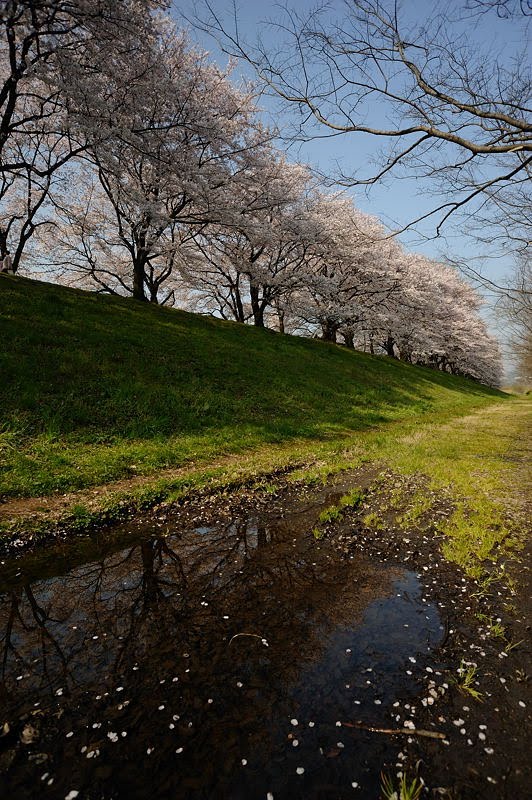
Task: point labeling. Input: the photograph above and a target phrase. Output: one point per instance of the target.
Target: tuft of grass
(496, 629)
(397, 498)
(372, 520)
(80, 513)
(485, 583)
(353, 498)
(350, 500)
(513, 646)
(419, 505)
(467, 680)
(473, 533)
(330, 514)
(406, 789)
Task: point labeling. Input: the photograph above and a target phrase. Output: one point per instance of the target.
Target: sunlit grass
(373, 521)
(348, 501)
(469, 456)
(418, 506)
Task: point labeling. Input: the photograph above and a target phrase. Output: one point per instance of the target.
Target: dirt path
(54, 506)
(240, 467)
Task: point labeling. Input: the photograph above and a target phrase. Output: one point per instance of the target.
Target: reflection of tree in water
(36, 623)
(157, 619)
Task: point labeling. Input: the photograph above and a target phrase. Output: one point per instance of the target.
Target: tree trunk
(239, 307)
(149, 579)
(349, 339)
(3, 243)
(138, 279)
(280, 319)
(329, 331)
(256, 307)
(388, 345)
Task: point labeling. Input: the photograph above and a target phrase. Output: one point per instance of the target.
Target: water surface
(214, 661)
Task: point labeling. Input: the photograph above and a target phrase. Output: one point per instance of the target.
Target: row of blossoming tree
(131, 164)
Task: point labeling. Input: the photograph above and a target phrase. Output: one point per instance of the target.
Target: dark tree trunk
(239, 308)
(256, 306)
(349, 339)
(280, 319)
(262, 537)
(329, 330)
(138, 279)
(149, 580)
(17, 257)
(3, 243)
(389, 347)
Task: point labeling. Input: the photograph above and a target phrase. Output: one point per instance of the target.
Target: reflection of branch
(13, 613)
(150, 589)
(41, 617)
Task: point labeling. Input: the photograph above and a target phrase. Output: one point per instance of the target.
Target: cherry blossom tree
(250, 266)
(50, 44)
(53, 53)
(166, 166)
(25, 204)
(351, 270)
(434, 320)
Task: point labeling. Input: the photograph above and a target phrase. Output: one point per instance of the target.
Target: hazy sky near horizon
(398, 200)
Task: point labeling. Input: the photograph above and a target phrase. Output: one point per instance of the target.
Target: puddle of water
(212, 663)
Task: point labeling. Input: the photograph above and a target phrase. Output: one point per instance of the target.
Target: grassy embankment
(96, 389)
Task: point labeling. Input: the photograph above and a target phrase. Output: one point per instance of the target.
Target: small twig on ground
(403, 731)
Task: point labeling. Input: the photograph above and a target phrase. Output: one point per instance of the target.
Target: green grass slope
(96, 388)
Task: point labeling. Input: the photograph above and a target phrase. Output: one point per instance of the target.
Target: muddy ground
(182, 653)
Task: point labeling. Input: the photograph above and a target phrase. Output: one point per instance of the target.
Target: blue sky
(398, 201)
